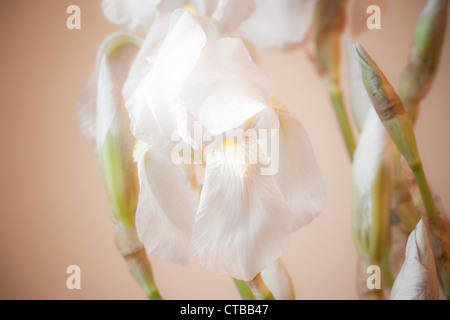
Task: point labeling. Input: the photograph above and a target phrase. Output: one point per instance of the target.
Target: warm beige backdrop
(53, 208)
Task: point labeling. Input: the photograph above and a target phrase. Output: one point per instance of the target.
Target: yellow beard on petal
(191, 9)
(228, 143)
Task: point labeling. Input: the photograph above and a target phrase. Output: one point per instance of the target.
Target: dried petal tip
(385, 100)
(329, 23)
(389, 107)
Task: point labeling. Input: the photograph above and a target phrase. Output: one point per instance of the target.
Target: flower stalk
(133, 252)
(335, 93)
(245, 292)
(329, 22)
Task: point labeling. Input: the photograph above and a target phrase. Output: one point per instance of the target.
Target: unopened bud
(133, 251)
(329, 23)
(425, 55)
(114, 140)
(389, 108)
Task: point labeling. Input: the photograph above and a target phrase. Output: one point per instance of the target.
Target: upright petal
(298, 178)
(132, 15)
(144, 124)
(167, 58)
(275, 24)
(417, 279)
(226, 88)
(242, 224)
(177, 57)
(166, 205)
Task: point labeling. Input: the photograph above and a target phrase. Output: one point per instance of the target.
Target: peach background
(53, 207)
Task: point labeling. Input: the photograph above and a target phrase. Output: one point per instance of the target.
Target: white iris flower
(186, 73)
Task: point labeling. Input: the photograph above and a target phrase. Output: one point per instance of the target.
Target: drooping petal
(278, 281)
(417, 279)
(298, 177)
(166, 205)
(243, 223)
(226, 88)
(360, 101)
(119, 48)
(132, 15)
(275, 24)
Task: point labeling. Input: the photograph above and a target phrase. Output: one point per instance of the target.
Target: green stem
(388, 278)
(425, 192)
(141, 270)
(336, 98)
(139, 266)
(245, 292)
(268, 296)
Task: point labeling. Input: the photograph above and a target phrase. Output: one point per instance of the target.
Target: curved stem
(335, 94)
(141, 270)
(425, 192)
(133, 252)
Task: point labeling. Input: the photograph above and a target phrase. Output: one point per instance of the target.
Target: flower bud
(115, 148)
(104, 121)
(425, 54)
(389, 108)
(128, 244)
(329, 23)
